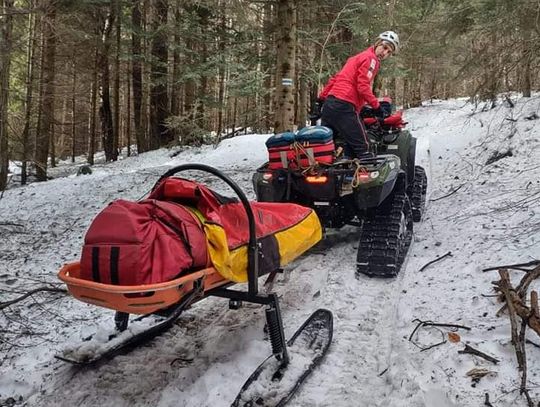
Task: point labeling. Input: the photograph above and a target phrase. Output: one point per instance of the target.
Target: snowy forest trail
(211, 340)
(484, 214)
(364, 316)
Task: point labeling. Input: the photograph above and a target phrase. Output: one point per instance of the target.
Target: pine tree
(285, 65)
(6, 31)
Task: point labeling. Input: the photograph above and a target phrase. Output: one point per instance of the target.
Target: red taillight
(314, 179)
(363, 176)
(267, 176)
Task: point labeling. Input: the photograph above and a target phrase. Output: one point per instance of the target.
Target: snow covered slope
(484, 214)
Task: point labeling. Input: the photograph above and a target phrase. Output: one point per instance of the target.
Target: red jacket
(355, 80)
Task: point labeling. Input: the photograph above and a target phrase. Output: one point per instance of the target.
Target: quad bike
(382, 195)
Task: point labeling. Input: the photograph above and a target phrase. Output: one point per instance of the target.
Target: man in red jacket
(350, 89)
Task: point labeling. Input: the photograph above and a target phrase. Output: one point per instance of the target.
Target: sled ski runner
(84, 356)
(274, 382)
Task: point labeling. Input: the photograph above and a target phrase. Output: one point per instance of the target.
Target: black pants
(341, 117)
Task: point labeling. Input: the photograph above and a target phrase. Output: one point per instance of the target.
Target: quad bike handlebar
(393, 121)
(385, 119)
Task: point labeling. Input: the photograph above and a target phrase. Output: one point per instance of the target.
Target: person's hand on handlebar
(379, 114)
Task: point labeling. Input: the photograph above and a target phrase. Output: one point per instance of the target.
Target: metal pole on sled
(273, 313)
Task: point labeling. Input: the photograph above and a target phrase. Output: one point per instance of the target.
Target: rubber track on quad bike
(417, 193)
(384, 241)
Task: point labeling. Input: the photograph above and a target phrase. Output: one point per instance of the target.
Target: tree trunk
(146, 73)
(234, 112)
(302, 63)
(203, 14)
(136, 76)
(247, 112)
(44, 133)
(526, 69)
(105, 111)
(6, 35)
(268, 49)
(32, 42)
(190, 86)
(61, 142)
(128, 116)
(528, 19)
(93, 108)
(285, 66)
(405, 97)
(301, 115)
(160, 136)
(176, 88)
(416, 90)
(73, 109)
(116, 141)
(221, 68)
(52, 147)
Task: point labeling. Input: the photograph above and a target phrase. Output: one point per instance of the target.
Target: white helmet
(390, 37)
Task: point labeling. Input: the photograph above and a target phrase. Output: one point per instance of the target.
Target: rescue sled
(245, 241)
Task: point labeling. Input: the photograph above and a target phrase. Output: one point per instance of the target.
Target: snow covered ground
(484, 214)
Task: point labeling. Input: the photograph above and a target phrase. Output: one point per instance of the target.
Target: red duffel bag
(146, 242)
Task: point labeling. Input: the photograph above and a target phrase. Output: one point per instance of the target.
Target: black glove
(316, 111)
(379, 114)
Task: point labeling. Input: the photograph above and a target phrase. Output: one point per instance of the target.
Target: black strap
(115, 254)
(95, 264)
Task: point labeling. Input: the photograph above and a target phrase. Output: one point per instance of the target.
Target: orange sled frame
(138, 299)
(180, 293)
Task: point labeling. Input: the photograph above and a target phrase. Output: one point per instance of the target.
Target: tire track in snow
(362, 338)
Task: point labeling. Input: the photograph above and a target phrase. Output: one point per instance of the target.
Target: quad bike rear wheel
(385, 238)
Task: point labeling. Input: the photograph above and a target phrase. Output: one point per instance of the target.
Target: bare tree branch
(472, 351)
(434, 261)
(30, 293)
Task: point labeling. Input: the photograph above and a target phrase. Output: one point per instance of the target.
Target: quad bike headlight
(374, 174)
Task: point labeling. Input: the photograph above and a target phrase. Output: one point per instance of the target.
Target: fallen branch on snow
(472, 351)
(519, 266)
(422, 324)
(11, 224)
(434, 261)
(447, 195)
(30, 293)
(532, 343)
